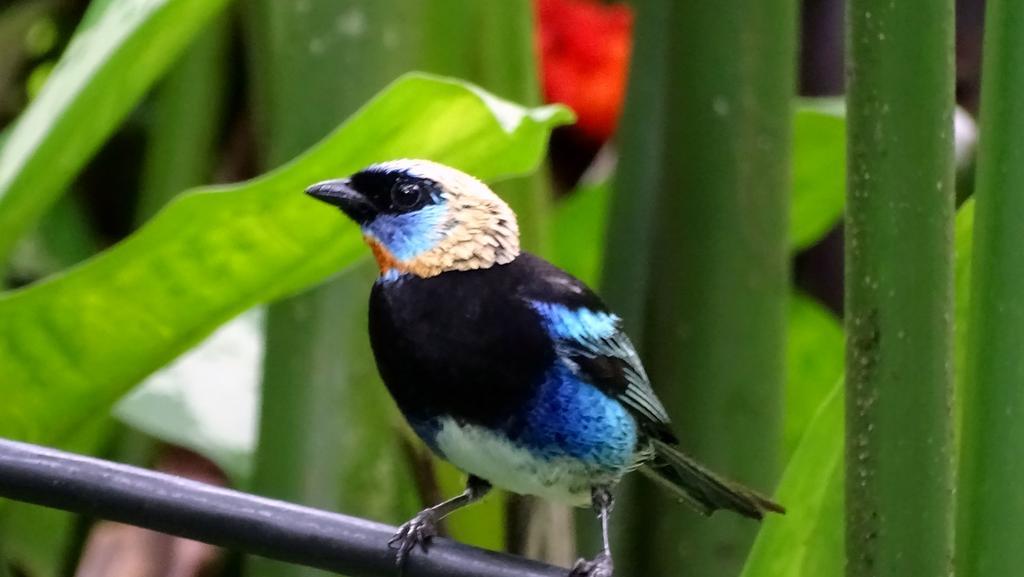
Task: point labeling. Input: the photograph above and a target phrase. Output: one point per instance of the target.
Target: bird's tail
(702, 489)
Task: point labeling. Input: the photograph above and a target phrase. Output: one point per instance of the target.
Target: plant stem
(899, 279)
(719, 281)
(628, 249)
(492, 44)
(189, 107)
(509, 69)
(327, 432)
(991, 492)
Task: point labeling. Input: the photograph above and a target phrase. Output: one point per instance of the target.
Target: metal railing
(236, 520)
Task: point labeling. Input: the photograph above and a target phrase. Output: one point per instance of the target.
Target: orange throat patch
(385, 260)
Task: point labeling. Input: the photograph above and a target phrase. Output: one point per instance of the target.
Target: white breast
(493, 457)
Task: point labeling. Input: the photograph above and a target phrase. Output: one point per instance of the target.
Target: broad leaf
(72, 345)
(814, 362)
(819, 172)
(578, 233)
(120, 49)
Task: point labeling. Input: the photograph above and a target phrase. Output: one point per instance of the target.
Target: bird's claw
(417, 531)
(600, 566)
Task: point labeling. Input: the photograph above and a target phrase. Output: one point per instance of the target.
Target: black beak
(341, 194)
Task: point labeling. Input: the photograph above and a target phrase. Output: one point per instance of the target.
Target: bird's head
(423, 218)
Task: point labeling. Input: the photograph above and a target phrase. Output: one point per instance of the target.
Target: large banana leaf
(74, 344)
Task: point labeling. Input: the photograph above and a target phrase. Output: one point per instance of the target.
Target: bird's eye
(406, 195)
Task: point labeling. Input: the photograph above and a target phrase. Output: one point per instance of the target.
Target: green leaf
(819, 171)
(72, 345)
(119, 50)
(814, 361)
(579, 231)
(962, 269)
(811, 490)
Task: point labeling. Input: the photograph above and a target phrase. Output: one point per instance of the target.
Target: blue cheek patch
(571, 418)
(411, 234)
(580, 325)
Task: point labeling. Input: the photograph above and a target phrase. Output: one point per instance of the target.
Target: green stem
(189, 108)
(628, 249)
(991, 493)
(457, 21)
(327, 432)
(509, 69)
(899, 279)
(715, 332)
(492, 44)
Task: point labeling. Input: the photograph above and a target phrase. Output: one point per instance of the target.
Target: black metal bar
(233, 519)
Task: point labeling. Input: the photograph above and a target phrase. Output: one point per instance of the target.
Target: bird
(503, 364)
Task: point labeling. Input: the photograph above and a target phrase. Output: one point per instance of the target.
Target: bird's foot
(417, 531)
(600, 566)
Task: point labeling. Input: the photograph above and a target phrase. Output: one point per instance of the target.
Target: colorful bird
(506, 366)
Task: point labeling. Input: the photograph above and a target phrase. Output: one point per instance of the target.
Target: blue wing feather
(593, 343)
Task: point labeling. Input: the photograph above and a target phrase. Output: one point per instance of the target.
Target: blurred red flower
(584, 52)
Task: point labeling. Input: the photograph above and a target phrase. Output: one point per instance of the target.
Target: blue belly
(572, 418)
